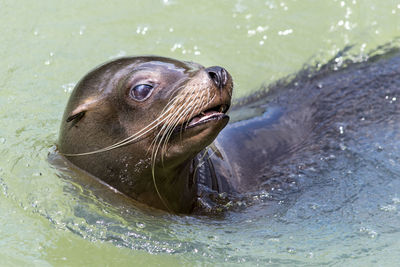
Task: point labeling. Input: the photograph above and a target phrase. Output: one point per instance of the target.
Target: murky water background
(45, 219)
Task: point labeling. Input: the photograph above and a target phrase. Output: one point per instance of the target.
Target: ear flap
(76, 116)
(80, 111)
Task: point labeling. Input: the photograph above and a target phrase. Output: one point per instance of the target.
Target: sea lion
(156, 128)
(138, 124)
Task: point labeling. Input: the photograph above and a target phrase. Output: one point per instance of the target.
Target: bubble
(82, 30)
(140, 225)
(291, 250)
(371, 233)
(342, 146)
(285, 32)
(388, 208)
(347, 25)
(167, 2)
(142, 30)
(176, 46)
(262, 29)
(121, 53)
(68, 87)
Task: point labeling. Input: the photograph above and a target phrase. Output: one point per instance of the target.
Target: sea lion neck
(177, 187)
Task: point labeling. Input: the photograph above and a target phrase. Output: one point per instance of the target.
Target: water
(351, 217)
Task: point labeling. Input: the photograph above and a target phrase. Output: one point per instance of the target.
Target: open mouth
(214, 113)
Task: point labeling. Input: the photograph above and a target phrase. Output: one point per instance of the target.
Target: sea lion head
(137, 123)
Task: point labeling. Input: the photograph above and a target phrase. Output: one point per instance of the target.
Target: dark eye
(141, 92)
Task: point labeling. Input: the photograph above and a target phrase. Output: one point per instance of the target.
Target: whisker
(182, 117)
(194, 109)
(135, 136)
(127, 140)
(201, 162)
(165, 129)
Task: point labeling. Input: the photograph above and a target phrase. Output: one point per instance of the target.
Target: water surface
(50, 220)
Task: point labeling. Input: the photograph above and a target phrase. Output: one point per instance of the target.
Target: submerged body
(304, 117)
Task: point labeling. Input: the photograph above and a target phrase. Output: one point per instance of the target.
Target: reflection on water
(343, 208)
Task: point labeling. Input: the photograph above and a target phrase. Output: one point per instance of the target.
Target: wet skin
(291, 121)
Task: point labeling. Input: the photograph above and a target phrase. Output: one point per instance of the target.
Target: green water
(47, 46)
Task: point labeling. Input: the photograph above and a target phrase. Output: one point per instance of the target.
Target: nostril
(218, 75)
(215, 77)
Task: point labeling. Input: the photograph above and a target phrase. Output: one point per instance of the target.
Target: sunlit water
(350, 217)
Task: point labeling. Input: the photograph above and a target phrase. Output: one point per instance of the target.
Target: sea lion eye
(141, 92)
